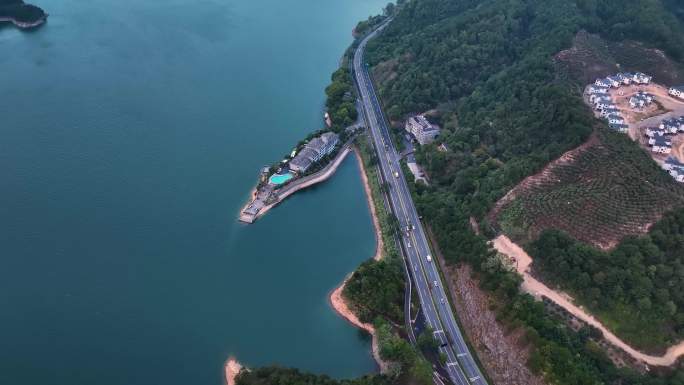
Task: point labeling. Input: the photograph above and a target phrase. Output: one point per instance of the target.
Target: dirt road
(533, 286)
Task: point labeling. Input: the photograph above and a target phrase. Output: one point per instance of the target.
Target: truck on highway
(396, 174)
(429, 258)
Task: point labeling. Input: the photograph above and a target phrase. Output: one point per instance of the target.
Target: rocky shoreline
(232, 369)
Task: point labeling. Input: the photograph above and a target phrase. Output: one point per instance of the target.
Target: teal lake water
(132, 133)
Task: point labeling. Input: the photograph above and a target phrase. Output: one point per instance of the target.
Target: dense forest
(484, 71)
(641, 280)
(377, 288)
(340, 100)
(20, 11)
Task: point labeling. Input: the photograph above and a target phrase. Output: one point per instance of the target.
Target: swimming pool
(280, 178)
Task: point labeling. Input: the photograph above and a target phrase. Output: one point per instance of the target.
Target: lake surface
(132, 132)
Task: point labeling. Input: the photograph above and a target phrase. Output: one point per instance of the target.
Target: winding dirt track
(533, 286)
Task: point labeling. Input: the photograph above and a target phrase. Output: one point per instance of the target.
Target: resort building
(677, 92)
(603, 83)
(641, 78)
(609, 110)
(651, 132)
(599, 99)
(672, 125)
(660, 144)
(314, 151)
(421, 129)
(640, 100)
(598, 90)
(615, 119)
(675, 168)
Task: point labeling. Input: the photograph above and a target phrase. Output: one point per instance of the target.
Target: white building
(651, 132)
(421, 129)
(615, 119)
(314, 151)
(640, 100)
(625, 78)
(614, 81)
(607, 111)
(641, 78)
(598, 98)
(660, 144)
(675, 168)
(603, 83)
(594, 89)
(672, 126)
(677, 92)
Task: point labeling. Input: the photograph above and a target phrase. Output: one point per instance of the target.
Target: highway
(461, 365)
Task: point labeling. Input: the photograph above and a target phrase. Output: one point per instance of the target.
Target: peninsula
(21, 14)
(313, 161)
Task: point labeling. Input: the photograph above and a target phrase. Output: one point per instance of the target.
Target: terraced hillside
(599, 193)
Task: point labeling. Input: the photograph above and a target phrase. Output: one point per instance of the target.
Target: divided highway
(436, 309)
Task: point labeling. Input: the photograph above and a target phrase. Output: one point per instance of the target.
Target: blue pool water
(280, 178)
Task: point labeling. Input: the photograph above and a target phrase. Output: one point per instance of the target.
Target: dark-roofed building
(660, 144)
(677, 92)
(675, 168)
(314, 151)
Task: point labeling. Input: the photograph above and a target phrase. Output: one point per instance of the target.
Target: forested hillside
(484, 70)
(20, 11)
(637, 288)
